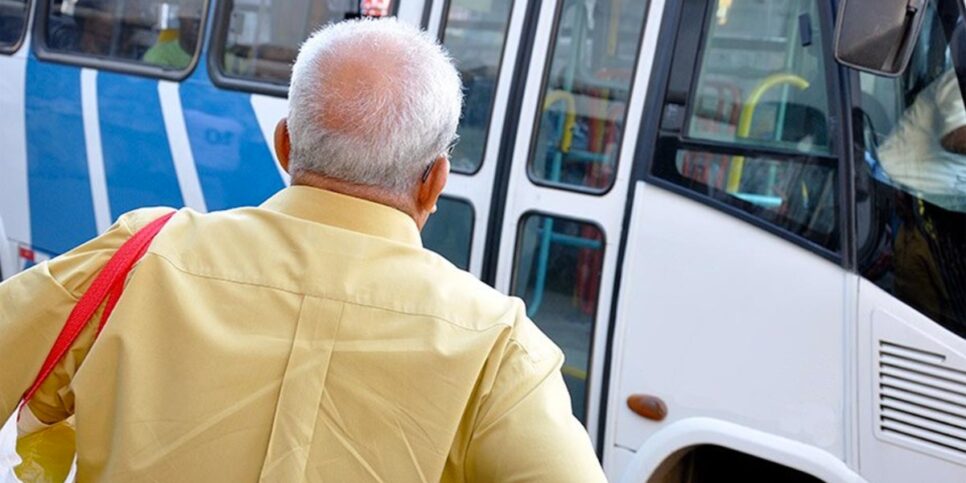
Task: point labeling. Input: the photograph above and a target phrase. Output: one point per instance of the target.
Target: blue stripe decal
(61, 207)
(137, 156)
(235, 166)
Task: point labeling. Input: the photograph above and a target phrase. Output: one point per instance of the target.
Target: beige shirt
(312, 338)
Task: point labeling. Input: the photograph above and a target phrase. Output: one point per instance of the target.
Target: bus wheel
(710, 463)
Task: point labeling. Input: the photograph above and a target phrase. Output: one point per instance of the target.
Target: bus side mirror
(878, 36)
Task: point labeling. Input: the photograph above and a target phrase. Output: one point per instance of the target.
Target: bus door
(911, 255)
(483, 37)
(733, 291)
(564, 203)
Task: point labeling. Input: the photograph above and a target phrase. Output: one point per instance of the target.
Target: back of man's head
(372, 102)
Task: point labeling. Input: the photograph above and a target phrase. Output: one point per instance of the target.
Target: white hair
(372, 102)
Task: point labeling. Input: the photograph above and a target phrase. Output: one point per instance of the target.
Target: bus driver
(931, 166)
(925, 156)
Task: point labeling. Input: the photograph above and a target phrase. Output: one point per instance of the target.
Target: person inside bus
(926, 152)
(63, 32)
(312, 337)
(97, 21)
(925, 157)
(176, 37)
(79, 26)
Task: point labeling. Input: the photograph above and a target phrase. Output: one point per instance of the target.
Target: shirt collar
(347, 212)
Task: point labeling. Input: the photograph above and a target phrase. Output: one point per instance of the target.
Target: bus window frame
(28, 16)
(216, 51)
(39, 32)
(427, 12)
(655, 140)
(544, 78)
(443, 22)
(864, 251)
(514, 273)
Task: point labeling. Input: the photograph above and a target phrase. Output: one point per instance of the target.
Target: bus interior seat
(800, 122)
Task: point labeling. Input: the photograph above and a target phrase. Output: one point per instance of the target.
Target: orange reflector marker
(650, 407)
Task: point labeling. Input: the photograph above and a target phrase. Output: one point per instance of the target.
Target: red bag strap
(108, 285)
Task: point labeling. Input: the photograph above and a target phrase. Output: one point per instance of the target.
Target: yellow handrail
(574, 372)
(554, 97)
(748, 113)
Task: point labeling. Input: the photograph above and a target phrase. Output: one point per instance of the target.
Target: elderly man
(311, 338)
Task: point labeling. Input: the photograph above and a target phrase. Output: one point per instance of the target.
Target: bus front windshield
(911, 189)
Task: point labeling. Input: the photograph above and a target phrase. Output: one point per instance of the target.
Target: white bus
(753, 257)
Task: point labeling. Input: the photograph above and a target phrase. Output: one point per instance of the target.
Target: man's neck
(369, 193)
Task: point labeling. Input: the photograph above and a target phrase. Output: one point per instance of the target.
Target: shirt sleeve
(35, 304)
(526, 430)
(949, 102)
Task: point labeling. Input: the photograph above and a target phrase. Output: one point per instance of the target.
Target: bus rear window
(260, 39)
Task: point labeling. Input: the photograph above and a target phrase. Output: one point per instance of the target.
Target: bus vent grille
(921, 399)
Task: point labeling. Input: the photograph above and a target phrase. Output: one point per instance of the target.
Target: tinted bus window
(149, 32)
(911, 187)
(587, 86)
(474, 34)
(557, 272)
(262, 37)
(449, 231)
(13, 17)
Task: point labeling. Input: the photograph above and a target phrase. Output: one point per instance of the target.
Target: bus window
(911, 184)
(762, 77)
(449, 231)
(755, 135)
(261, 37)
(474, 34)
(13, 17)
(586, 89)
(796, 194)
(147, 32)
(557, 272)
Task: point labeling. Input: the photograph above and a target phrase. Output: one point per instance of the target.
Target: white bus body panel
(912, 393)
(14, 198)
(724, 320)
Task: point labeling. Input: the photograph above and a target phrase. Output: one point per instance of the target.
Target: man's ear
(433, 185)
(283, 143)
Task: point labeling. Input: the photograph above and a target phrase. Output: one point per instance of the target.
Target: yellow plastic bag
(46, 451)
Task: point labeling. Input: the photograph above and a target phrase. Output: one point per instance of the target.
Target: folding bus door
(564, 205)
(483, 37)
